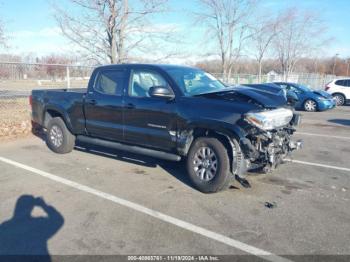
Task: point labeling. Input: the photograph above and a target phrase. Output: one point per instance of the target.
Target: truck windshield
(194, 81)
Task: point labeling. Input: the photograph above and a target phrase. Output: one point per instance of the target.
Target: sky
(32, 29)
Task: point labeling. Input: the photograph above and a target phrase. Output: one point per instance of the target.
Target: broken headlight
(271, 119)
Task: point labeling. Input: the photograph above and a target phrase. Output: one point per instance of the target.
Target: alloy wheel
(339, 100)
(56, 136)
(310, 106)
(205, 163)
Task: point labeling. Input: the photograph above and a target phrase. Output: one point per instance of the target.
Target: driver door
(149, 121)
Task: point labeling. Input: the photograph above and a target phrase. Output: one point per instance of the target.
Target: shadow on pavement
(344, 122)
(176, 169)
(24, 236)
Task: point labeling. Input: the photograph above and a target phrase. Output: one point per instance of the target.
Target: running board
(131, 149)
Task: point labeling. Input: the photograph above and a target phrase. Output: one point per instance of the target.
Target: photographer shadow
(25, 235)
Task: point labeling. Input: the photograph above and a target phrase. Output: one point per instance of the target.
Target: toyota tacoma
(173, 113)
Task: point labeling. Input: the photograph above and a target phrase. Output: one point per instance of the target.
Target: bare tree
(263, 34)
(111, 29)
(2, 35)
(301, 34)
(228, 22)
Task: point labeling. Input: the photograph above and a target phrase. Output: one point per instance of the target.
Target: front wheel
(339, 99)
(58, 138)
(208, 165)
(310, 105)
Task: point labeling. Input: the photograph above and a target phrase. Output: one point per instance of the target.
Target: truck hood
(261, 98)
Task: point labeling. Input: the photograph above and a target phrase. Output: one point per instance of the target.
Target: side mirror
(161, 92)
(292, 98)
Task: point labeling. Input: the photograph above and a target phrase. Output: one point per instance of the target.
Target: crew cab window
(110, 82)
(142, 81)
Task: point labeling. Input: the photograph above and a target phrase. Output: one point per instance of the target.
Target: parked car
(172, 112)
(308, 99)
(290, 96)
(340, 90)
(268, 87)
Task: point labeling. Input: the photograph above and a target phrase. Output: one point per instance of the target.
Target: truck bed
(66, 101)
(66, 90)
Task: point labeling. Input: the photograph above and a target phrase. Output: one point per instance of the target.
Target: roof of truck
(161, 66)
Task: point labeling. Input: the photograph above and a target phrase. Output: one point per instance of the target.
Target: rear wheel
(59, 139)
(208, 165)
(339, 99)
(310, 105)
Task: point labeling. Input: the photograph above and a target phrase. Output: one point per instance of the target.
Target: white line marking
(319, 165)
(171, 220)
(320, 135)
(326, 113)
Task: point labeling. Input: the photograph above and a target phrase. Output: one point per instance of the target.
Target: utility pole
(68, 77)
(335, 62)
(315, 65)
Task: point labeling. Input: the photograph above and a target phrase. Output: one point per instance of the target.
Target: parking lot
(117, 203)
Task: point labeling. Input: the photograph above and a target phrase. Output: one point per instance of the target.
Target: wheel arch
(342, 94)
(339, 93)
(229, 137)
(54, 111)
(312, 99)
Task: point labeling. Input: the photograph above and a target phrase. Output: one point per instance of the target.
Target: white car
(340, 90)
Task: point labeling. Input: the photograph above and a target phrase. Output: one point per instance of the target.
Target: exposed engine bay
(267, 149)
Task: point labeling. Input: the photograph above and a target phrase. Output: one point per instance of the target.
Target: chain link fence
(315, 81)
(16, 82)
(19, 77)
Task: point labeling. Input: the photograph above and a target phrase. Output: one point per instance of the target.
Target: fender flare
(186, 134)
(60, 110)
(232, 134)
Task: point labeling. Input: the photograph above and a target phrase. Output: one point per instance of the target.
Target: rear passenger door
(149, 121)
(347, 89)
(344, 87)
(104, 104)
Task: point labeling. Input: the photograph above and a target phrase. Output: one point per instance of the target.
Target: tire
(339, 99)
(310, 105)
(58, 138)
(208, 181)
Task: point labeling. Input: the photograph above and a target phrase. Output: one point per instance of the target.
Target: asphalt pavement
(105, 202)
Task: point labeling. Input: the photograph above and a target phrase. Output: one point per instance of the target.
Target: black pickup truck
(172, 112)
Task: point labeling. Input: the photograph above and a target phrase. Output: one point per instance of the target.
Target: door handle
(92, 102)
(130, 106)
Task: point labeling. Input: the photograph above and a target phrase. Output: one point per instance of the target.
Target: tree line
(240, 35)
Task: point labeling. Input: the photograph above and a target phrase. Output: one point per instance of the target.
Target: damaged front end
(269, 138)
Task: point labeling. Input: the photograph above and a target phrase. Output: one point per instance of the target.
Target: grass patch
(15, 119)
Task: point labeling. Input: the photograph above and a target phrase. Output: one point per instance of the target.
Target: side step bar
(131, 149)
